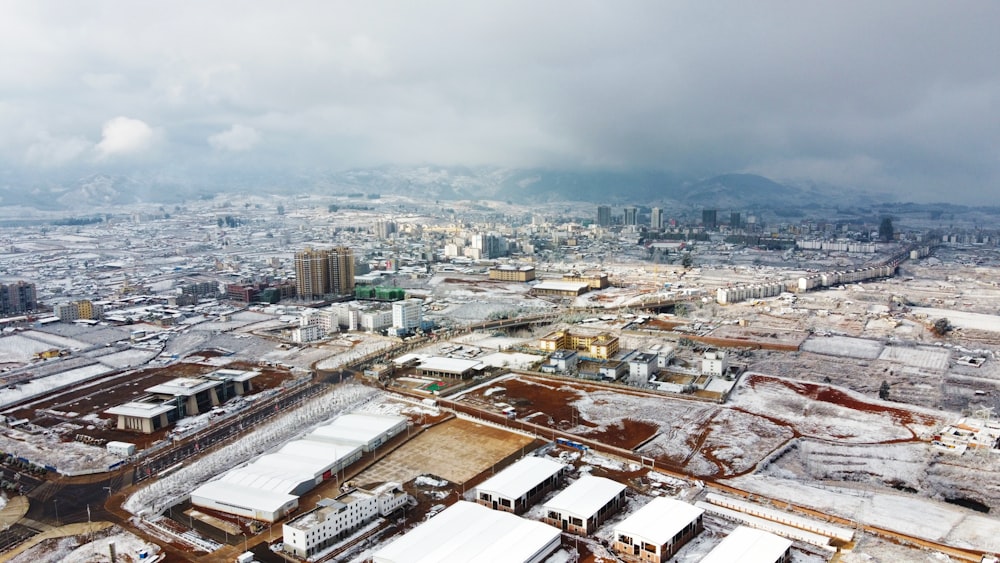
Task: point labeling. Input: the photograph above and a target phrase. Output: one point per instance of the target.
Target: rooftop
(748, 545)
(659, 520)
(585, 496)
(521, 477)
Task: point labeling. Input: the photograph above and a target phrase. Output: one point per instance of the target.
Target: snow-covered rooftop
(224, 492)
(521, 477)
(141, 409)
(659, 520)
(448, 365)
(585, 496)
(357, 428)
(469, 533)
(183, 386)
(748, 545)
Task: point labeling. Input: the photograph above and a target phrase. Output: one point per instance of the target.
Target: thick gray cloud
(891, 95)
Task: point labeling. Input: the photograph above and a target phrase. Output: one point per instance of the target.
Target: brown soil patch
(827, 394)
(456, 450)
(553, 399)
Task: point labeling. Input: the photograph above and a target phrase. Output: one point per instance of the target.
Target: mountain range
(98, 191)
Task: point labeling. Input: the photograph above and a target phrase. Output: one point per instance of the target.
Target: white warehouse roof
(585, 496)
(448, 365)
(516, 480)
(659, 520)
(266, 479)
(231, 494)
(748, 545)
(358, 428)
(466, 532)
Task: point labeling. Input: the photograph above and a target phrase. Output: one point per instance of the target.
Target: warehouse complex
(267, 488)
(518, 487)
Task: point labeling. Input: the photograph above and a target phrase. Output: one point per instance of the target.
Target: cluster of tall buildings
(323, 272)
(17, 298)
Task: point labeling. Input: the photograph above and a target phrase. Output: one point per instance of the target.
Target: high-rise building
(406, 314)
(709, 219)
(656, 219)
(17, 298)
(631, 215)
(604, 215)
(734, 220)
(324, 272)
(341, 270)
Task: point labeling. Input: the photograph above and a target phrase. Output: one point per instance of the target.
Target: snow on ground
(843, 346)
(66, 457)
(127, 358)
(359, 350)
(85, 548)
(926, 357)
(19, 349)
(822, 417)
(908, 514)
(513, 360)
(962, 319)
(44, 385)
(904, 463)
(55, 341)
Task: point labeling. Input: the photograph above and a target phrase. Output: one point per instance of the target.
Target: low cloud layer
(894, 96)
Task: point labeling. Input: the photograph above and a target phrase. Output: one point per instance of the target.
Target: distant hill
(434, 183)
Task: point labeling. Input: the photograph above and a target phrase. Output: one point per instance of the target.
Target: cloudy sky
(888, 95)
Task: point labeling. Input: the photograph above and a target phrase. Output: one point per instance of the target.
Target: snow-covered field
(844, 346)
(19, 349)
(43, 385)
(66, 457)
(905, 513)
(926, 357)
(962, 319)
(127, 358)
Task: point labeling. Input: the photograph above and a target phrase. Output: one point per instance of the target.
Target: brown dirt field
(530, 395)
(445, 451)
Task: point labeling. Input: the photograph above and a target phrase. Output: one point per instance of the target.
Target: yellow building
(593, 281)
(600, 346)
(512, 273)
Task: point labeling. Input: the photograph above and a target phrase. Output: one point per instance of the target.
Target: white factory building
(581, 507)
(262, 488)
(658, 530)
(518, 487)
(364, 429)
(748, 545)
(333, 520)
(266, 506)
(466, 532)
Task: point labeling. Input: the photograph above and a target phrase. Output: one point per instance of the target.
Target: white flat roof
(140, 409)
(449, 365)
(359, 428)
(183, 386)
(521, 477)
(748, 545)
(466, 532)
(561, 285)
(659, 520)
(585, 496)
(267, 478)
(239, 496)
(235, 374)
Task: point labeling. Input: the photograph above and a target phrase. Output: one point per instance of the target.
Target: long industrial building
(467, 532)
(263, 488)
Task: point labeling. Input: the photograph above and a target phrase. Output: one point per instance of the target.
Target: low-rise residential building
(641, 366)
(333, 520)
(518, 487)
(715, 363)
(658, 530)
(581, 507)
